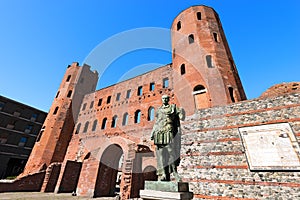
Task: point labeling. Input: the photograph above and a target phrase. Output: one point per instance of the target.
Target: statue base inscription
(166, 190)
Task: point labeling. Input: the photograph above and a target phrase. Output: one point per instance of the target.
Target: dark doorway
(71, 176)
(110, 165)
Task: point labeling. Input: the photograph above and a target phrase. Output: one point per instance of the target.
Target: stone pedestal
(166, 191)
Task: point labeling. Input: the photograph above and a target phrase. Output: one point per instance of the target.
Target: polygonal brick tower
(53, 140)
(202, 61)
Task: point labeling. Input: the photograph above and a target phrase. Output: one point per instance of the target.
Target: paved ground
(45, 196)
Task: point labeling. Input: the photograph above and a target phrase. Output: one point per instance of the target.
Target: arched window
(57, 94)
(231, 93)
(86, 126)
(125, 119)
(201, 97)
(114, 121)
(199, 17)
(137, 117)
(182, 69)
(94, 125)
(151, 114)
(69, 93)
(92, 105)
(199, 89)
(78, 128)
(103, 126)
(55, 110)
(191, 38)
(68, 79)
(84, 106)
(178, 25)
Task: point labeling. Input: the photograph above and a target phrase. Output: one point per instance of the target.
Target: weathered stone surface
(159, 195)
(167, 186)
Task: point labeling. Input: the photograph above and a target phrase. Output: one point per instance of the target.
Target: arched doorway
(200, 97)
(149, 173)
(109, 171)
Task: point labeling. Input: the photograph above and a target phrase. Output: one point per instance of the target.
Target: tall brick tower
(202, 61)
(53, 140)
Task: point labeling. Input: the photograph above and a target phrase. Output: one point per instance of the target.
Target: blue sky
(40, 38)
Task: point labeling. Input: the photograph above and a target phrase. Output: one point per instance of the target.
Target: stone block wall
(213, 156)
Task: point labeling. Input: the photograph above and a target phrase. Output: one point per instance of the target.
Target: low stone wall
(213, 156)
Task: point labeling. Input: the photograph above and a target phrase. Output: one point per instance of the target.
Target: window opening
(99, 102)
(94, 125)
(165, 82)
(22, 142)
(78, 128)
(86, 126)
(216, 37)
(92, 105)
(151, 114)
(199, 17)
(125, 119)
(55, 110)
(84, 106)
(108, 99)
(152, 86)
(118, 97)
(3, 139)
(2, 105)
(69, 77)
(178, 25)
(103, 126)
(140, 91)
(182, 69)
(209, 61)
(231, 93)
(69, 93)
(191, 38)
(114, 121)
(137, 117)
(128, 93)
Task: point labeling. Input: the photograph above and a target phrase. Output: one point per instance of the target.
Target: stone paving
(45, 196)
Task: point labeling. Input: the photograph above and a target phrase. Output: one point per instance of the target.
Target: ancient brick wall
(29, 183)
(213, 157)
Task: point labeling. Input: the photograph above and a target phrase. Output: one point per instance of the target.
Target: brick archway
(108, 171)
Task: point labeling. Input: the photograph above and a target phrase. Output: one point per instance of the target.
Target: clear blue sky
(40, 38)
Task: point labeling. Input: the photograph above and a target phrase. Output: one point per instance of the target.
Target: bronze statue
(167, 138)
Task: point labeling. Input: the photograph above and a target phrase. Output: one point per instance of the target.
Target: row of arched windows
(114, 121)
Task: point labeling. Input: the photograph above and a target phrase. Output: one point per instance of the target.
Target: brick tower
(53, 140)
(202, 61)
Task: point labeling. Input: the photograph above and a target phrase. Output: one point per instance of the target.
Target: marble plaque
(271, 147)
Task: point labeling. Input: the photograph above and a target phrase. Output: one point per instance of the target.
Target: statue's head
(165, 99)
